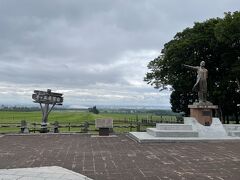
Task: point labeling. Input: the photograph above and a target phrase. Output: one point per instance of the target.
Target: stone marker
(56, 127)
(24, 127)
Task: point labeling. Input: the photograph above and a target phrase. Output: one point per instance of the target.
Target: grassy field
(78, 117)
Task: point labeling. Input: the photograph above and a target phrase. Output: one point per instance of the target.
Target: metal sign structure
(46, 98)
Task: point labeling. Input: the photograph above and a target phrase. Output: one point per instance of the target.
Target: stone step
(174, 127)
(232, 127)
(234, 133)
(171, 133)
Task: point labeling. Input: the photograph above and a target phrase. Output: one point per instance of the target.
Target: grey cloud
(85, 44)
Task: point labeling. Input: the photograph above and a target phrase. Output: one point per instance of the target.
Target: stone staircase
(232, 129)
(172, 130)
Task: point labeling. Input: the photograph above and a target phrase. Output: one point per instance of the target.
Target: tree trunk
(236, 116)
(238, 83)
(223, 119)
(227, 119)
(221, 115)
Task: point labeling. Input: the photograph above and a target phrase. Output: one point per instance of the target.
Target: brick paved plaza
(103, 158)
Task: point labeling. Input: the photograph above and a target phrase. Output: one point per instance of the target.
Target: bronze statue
(201, 84)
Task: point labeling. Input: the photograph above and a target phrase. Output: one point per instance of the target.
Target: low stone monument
(104, 126)
(56, 127)
(24, 127)
(203, 109)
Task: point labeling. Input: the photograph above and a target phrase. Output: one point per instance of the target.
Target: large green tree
(217, 42)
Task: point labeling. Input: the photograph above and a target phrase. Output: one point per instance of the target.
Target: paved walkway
(40, 173)
(120, 158)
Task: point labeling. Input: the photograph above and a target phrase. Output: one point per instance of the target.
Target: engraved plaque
(206, 113)
(104, 123)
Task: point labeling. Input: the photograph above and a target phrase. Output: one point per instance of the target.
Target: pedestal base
(202, 112)
(103, 131)
(44, 128)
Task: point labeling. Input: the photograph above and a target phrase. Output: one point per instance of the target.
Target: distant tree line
(157, 112)
(18, 108)
(215, 41)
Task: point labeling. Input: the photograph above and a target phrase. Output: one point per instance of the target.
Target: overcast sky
(94, 51)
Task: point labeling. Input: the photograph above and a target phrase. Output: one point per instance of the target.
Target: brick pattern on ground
(117, 158)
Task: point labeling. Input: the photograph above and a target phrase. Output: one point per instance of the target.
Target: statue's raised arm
(191, 67)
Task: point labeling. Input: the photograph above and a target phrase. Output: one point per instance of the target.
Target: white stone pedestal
(172, 130)
(215, 130)
(190, 131)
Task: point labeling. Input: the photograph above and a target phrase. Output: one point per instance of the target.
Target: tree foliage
(94, 110)
(215, 41)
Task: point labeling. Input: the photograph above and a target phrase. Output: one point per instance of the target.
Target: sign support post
(49, 100)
